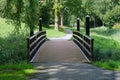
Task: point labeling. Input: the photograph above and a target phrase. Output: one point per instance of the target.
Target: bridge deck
(59, 51)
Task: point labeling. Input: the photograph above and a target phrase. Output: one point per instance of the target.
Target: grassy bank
(17, 71)
(51, 33)
(106, 47)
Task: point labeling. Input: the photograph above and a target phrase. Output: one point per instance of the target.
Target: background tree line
(60, 12)
(103, 12)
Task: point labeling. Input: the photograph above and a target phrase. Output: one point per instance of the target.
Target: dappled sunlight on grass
(5, 28)
(110, 64)
(30, 71)
(116, 36)
(99, 35)
(16, 71)
(54, 34)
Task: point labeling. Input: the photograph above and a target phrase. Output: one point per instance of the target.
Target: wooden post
(40, 24)
(92, 45)
(78, 24)
(28, 49)
(31, 32)
(88, 25)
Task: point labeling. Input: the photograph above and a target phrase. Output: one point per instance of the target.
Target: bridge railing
(85, 43)
(34, 43)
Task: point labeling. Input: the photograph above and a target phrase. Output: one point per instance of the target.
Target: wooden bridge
(79, 49)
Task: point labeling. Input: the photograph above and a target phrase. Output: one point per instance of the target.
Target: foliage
(16, 71)
(12, 46)
(112, 16)
(106, 47)
(45, 12)
(74, 7)
(2, 5)
(17, 11)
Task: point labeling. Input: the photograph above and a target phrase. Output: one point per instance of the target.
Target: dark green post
(31, 32)
(88, 25)
(78, 24)
(28, 49)
(40, 24)
(92, 45)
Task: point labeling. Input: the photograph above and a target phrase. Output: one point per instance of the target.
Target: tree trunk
(56, 15)
(61, 20)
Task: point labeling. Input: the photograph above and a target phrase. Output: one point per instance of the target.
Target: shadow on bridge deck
(59, 51)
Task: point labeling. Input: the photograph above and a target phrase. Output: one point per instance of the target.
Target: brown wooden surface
(59, 51)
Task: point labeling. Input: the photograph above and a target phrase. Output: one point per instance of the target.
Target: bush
(13, 48)
(46, 13)
(112, 16)
(105, 47)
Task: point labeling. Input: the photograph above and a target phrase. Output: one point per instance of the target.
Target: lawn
(5, 29)
(17, 71)
(51, 33)
(106, 47)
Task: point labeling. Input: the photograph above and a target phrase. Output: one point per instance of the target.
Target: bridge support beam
(88, 25)
(78, 24)
(40, 24)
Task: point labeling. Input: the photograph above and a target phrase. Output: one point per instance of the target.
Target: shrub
(13, 48)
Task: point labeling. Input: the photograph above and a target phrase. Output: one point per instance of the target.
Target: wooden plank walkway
(59, 51)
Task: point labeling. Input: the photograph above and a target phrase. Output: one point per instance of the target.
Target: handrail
(34, 43)
(85, 43)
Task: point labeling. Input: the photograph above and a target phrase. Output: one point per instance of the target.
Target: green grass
(5, 29)
(106, 47)
(17, 71)
(12, 45)
(51, 33)
(54, 34)
(110, 65)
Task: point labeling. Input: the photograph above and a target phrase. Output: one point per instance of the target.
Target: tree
(17, 11)
(2, 5)
(45, 10)
(104, 6)
(112, 16)
(56, 11)
(75, 7)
